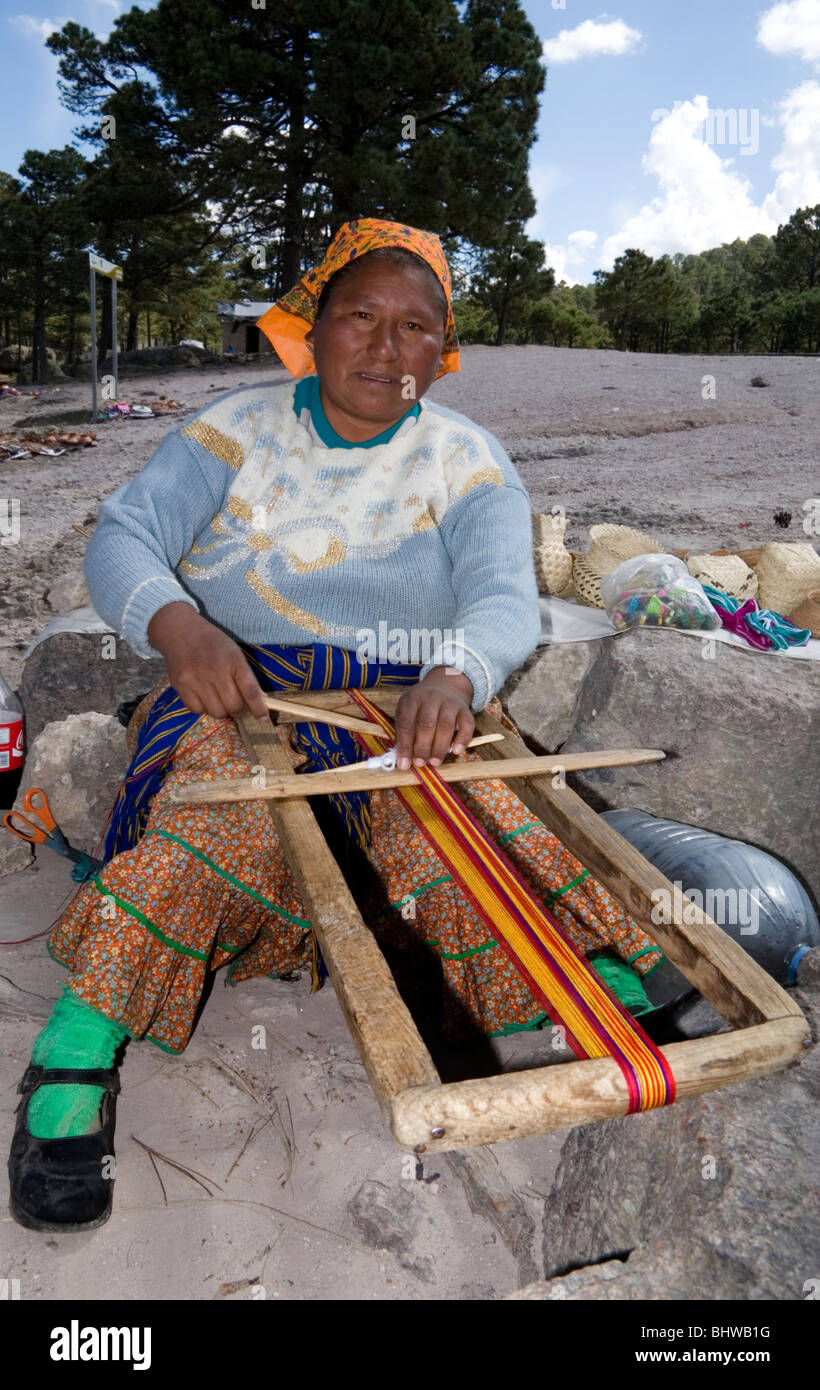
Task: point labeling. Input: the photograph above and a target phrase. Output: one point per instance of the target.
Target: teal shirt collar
(307, 395)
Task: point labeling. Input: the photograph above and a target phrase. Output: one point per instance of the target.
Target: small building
(239, 331)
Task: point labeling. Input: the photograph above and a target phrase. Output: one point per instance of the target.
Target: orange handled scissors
(35, 802)
(44, 831)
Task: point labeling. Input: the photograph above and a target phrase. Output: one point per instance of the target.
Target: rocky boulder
(740, 729)
(26, 375)
(17, 355)
(69, 592)
(155, 359)
(73, 672)
(80, 763)
(711, 1198)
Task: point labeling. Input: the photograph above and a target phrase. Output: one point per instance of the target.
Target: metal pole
(114, 335)
(93, 275)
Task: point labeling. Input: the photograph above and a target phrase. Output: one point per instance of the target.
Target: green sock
(76, 1035)
(624, 982)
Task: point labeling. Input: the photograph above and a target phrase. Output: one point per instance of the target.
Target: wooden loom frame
(428, 1115)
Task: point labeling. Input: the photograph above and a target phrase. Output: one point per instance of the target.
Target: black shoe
(59, 1184)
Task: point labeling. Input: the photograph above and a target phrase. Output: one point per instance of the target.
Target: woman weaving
(264, 535)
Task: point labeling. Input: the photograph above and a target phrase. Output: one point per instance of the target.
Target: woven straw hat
(786, 574)
(726, 572)
(553, 568)
(553, 562)
(587, 582)
(548, 529)
(807, 613)
(750, 556)
(609, 545)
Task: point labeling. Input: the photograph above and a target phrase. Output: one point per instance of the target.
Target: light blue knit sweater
(416, 546)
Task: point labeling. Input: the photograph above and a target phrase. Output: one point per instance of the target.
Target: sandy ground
(276, 1214)
(624, 438)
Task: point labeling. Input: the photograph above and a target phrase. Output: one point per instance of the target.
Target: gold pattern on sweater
(219, 444)
(238, 507)
(309, 621)
(485, 475)
(333, 555)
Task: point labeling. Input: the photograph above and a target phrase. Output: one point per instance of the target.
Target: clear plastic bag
(656, 591)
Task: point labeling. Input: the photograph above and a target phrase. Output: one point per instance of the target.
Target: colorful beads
(669, 606)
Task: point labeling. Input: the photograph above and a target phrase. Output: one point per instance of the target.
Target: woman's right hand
(205, 666)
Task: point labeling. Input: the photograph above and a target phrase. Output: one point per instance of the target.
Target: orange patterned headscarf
(292, 316)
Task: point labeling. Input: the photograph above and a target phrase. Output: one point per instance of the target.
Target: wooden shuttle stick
(317, 715)
(277, 787)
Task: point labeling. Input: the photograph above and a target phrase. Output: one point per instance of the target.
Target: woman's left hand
(433, 715)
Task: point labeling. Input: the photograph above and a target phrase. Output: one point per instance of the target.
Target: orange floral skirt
(208, 885)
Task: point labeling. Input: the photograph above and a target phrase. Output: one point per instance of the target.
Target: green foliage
(475, 323)
(508, 278)
(561, 320)
(797, 250)
(749, 296)
(42, 232)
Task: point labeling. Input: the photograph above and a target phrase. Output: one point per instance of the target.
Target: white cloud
(591, 39)
(572, 255)
(792, 26)
(37, 28)
(702, 200)
(34, 27)
(798, 162)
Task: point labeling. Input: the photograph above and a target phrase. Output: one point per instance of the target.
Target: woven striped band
(595, 1022)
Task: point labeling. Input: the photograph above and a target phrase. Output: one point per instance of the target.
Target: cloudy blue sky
(668, 126)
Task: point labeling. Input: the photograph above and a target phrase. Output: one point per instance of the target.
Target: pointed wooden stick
(271, 788)
(318, 715)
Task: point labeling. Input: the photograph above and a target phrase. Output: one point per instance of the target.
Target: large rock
(148, 360)
(662, 1270)
(69, 592)
(712, 1198)
(542, 696)
(80, 763)
(741, 732)
(15, 354)
(72, 672)
(26, 375)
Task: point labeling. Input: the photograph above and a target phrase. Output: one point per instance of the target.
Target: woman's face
(377, 347)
